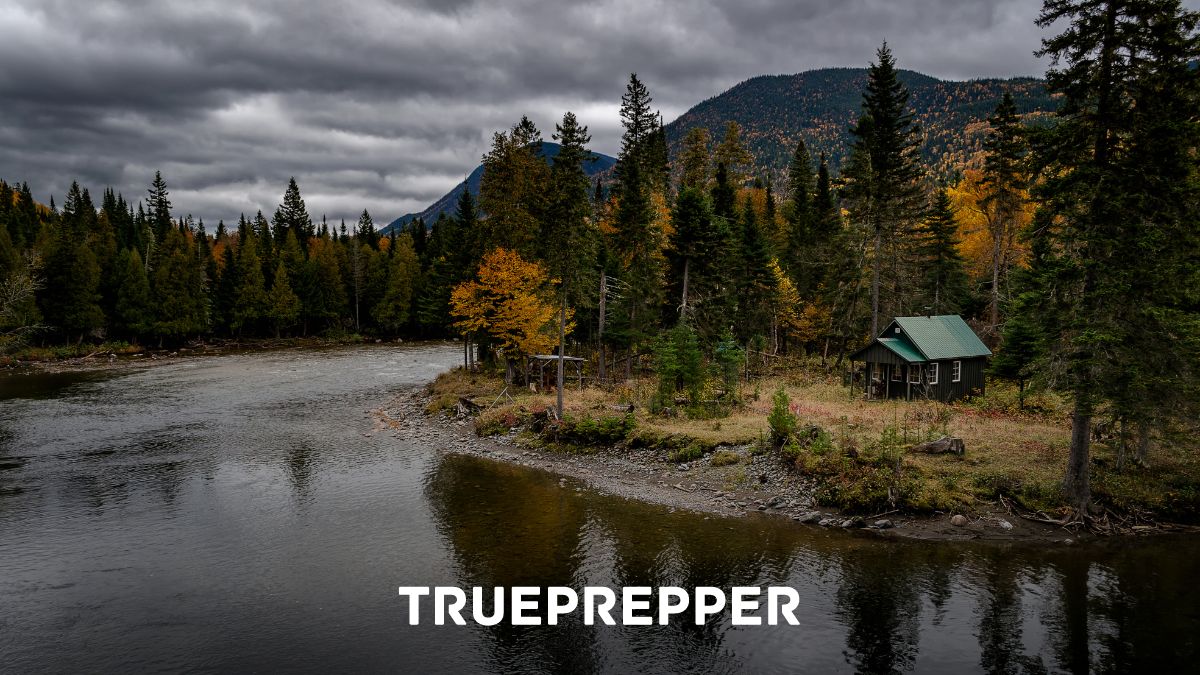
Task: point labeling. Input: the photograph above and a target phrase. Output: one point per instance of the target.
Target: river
(236, 513)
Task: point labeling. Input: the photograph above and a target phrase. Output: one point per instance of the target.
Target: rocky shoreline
(769, 489)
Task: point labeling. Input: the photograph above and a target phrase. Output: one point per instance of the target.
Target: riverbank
(1002, 488)
(758, 488)
(66, 358)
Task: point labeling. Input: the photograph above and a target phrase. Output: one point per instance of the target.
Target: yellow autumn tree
(785, 306)
(509, 303)
(989, 244)
(803, 323)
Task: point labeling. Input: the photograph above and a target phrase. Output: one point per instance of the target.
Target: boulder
(883, 524)
(959, 520)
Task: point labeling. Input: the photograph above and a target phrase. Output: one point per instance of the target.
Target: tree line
(1073, 251)
(138, 273)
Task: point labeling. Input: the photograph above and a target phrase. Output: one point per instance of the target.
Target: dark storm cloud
(386, 105)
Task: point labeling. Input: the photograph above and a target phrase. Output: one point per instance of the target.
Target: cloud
(386, 105)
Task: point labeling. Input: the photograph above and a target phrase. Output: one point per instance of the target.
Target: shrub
(782, 420)
(592, 431)
(680, 366)
(730, 358)
(725, 458)
(688, 453)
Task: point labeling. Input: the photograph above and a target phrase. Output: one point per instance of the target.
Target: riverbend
(251, 512)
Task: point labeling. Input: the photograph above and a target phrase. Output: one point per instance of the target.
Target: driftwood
(942, 446)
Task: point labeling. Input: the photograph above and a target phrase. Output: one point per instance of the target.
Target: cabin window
(895, 372)
(914, 374)
(897, 330)
(932, 376)
(956, 372)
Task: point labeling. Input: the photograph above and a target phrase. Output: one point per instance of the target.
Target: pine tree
(133, 314)
(292, 216)
(695, 159)
(282, 304)
(637, 240)
(367, 231)
(1004, 182)
(1117, 213)
(797, 257)
(420, 235)
(883, 179)
(226, 291)
(734, 155)
(82, 313)
(159, 205)
(696, 254)
(945, 277)
(71, 301)
(460, 240)
(177, 284)
(638, 124)
(250, 299)
(323, 292)
(392, 312)
(724, 195)
(754, 281)
(512, 191)
(567, 238)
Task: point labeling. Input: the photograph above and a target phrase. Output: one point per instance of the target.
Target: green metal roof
(901, 348)
(939, 337)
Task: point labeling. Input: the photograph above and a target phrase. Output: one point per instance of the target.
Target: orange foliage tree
(510, 304)
(989, 243)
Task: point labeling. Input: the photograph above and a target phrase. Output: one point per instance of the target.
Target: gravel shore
(757, 488)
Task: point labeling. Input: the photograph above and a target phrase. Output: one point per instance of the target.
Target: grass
(858, 449)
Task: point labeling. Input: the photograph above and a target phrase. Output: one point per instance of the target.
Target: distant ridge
(820, 106)
(775, 111)
(447, 202)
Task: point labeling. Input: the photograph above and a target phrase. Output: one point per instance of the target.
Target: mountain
(447, 203)
(820, 106)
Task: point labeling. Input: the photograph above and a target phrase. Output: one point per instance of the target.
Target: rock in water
(959, 520)
(884, 524)
(1005, 525)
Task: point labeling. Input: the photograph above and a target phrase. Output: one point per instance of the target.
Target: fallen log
(945, 445)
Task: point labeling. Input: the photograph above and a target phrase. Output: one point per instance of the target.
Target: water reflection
(236, 514)
(868, 606)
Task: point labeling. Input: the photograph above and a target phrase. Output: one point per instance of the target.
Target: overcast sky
(387, 105)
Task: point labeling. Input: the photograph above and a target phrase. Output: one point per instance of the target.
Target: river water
(234, 513)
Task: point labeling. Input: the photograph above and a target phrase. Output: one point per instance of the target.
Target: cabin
(931, 357)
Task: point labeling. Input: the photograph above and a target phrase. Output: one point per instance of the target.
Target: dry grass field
(1020, 454)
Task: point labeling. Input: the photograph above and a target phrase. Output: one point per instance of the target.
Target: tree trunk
(1143, 448)
(1122, 446)
(994, 309)
(562, 346)
(1078, 490)
(875, 283)
(683, 306)
(600, 374)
